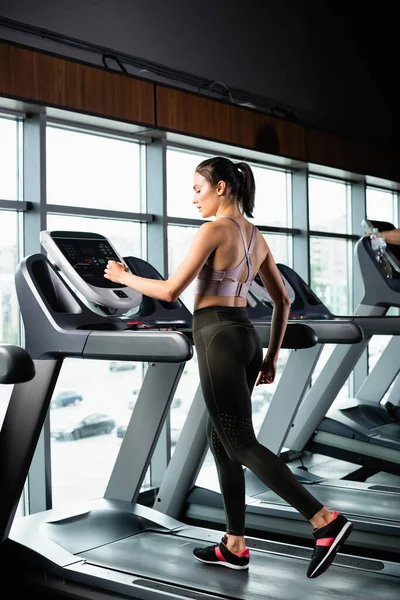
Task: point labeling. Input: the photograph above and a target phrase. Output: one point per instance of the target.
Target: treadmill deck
(160, 560)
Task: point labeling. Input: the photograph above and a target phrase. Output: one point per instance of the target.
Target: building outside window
(330, 257)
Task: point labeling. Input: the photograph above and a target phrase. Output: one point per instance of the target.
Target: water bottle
(378, 245)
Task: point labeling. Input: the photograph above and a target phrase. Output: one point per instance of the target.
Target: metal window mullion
(8, 113)
(34, 191)
(301, 242)
(157, 255)
(358, 213)
(396, 207)
(17, 205)
(331, 234)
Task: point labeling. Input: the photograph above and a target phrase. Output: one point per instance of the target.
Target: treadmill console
(82, 257)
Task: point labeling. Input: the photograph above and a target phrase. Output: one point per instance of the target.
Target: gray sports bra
(210, 282)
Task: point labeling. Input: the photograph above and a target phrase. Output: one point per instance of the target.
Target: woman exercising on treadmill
(224, 258)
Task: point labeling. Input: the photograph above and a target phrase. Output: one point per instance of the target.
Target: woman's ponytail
(248, 188)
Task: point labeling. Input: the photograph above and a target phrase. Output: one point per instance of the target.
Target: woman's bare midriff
(205, 301)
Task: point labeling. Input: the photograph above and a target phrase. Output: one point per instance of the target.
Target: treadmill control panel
(82, 257)
(89, 259)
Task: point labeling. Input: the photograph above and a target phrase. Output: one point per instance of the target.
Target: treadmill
(367, 409)
(115, 545)
(361, 430)
(374, 509)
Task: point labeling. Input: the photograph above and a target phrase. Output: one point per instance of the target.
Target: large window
(381, 205)
(328, 205)
(10, 162)
(96, 174)
(9, 331)
(93, 399)
(330, 258)
(10, 189)
(9, 314)
(330, 273)
(181, 166)
(179, 240)
(92, 171)
(273, 197)
(90, 409)
(281, 247)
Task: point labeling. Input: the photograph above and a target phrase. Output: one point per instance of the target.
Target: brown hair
(238, 177)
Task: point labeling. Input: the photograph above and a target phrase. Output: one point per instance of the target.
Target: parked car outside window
(132, 401)
(121, 430)
(75, 429)
(121, 365)
(66, 398)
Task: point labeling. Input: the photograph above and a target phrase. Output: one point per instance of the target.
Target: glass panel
(330, 269)
(330, 273)
(8, 159)
(324, 356)
(83, 455)
(9, 313)
(183, 399)
(180, 170)
(273, 189)
(328, 202)
(8, 264)
(272, 201)
(262, 394)
(93, 171)
(376, 346)
(380, 205)
(179, 242)
(281, 247)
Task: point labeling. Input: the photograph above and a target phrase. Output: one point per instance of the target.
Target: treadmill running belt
(156, 559)
(371, 504)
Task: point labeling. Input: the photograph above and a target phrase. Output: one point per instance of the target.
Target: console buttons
(120, 294)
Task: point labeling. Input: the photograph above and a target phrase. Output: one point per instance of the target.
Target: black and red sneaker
(328, 541)
(218, 554)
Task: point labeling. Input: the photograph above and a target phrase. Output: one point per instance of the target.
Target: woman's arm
(272, 280)
(392, 236)
(206, 241)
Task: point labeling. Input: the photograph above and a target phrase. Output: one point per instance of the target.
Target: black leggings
(229, 355)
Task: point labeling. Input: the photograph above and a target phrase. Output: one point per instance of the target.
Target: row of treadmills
(119, 545)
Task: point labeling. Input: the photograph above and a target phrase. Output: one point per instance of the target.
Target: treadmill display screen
(89, 258)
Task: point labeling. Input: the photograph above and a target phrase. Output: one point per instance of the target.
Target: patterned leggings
(229, 356)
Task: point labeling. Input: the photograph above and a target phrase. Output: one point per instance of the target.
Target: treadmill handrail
(16, 365)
